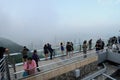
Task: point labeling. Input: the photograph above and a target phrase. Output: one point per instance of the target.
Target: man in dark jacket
(68, 49)
(36, 58)
(50, 50)
(25, 53)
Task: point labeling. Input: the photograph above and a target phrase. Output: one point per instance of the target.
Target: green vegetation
(12, 46)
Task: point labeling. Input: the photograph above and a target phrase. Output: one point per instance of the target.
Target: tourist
(25, 53)
(36, 58)
(62, 48)
(85, 48)
(50, 50)
(46, 52)
(90, 44)
(68, 49)
(2, 51)
(2, 66)
(98, 47)
(30, 66)
(72, 48)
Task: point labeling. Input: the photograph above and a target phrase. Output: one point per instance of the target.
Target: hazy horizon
(43, 21)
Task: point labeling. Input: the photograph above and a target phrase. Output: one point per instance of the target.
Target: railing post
(14, 68)
(54, 53)
(80, 48)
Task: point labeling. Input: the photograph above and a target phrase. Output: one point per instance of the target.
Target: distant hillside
(12, 46)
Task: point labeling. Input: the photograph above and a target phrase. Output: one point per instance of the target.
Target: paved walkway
(45, 62)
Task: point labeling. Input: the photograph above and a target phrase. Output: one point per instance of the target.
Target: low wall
(114, 57)
(102, 56)
(84, 71)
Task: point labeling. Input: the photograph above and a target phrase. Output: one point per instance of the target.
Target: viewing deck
(58, 66)
(56, 59)
(71, 68)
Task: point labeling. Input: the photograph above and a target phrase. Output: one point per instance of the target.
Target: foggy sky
(42, 21)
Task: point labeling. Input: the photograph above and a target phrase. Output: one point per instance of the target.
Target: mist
(37, 22)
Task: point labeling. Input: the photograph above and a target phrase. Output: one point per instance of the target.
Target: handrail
(108, 76)
(2, 59)
(4, 69)
(19, 72)
(17, 64)
(59, 63)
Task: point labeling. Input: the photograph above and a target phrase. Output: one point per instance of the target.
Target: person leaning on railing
(90, 44)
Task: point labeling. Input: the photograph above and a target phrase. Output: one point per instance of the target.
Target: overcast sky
(26, 21)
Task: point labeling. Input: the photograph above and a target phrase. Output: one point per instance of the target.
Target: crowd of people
(113, 43)
(30, 63)
(112, 40)
(69, 48)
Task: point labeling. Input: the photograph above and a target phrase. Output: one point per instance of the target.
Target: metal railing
(55, 65)
(77, 48)
(57, 52)
(4, 69)
(98, 73)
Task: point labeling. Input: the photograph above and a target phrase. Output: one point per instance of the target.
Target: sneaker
(38, 69)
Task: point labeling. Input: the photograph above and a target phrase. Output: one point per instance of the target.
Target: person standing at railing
(29, 67)
(68, 49)
(90, 44)
(25, 53)
(2, 66)
(46, 52)
(72, 48)
(85, 48)
(62, 48)
(36, 58)
(97, 46)
(50, 50)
